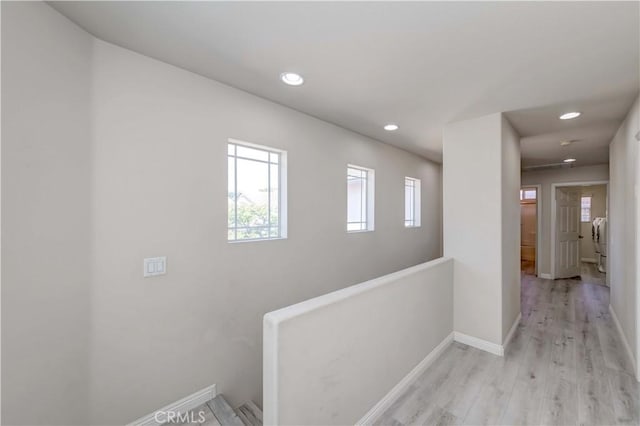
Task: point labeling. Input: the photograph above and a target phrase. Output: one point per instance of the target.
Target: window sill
(255, 240)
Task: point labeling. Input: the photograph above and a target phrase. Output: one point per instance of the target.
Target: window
(411, 202)
(360, 194)
(585, 209)
(256, 192)
(528, 194)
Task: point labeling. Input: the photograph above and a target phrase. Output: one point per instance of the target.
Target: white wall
(545, 178)
(481, 170)
(329, 360)
(624, 245)
(46, 156)
(160, 188)
(510, 227)
(636, 111)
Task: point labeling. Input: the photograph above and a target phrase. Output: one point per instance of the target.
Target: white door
(567, 232)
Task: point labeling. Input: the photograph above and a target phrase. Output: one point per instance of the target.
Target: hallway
(566, 364)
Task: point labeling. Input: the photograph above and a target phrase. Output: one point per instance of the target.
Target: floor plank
(560, 403)
(625, 392)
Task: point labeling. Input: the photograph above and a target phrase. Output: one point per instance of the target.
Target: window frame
(369, 202)
(582, 197)
(282, 188)
(417, 203)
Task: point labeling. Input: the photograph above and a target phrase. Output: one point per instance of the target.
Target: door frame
(554, 186)
(538, 188)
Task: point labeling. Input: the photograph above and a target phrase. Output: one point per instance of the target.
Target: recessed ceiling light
(570, 115)
(391, 127)
(565, 143)
(569, 160)
(291, 78)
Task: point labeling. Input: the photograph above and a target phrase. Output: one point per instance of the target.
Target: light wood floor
(566, 365)
(591, 275)
(528, 266)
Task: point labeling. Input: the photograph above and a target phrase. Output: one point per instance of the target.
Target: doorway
(579, 239)
(529, 230)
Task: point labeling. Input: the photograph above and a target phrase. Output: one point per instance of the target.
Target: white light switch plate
(155, 266)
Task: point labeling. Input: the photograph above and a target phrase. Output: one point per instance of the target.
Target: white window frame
(369, 223)
(590, 197)
(282, 186)
(416, 221)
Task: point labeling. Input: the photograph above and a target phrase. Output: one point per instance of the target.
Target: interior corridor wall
(160, 188)
(545, 178)
(46, 221)
(624, 245)
(481, 182)
(510, 218)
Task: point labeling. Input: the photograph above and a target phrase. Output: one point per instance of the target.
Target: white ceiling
(589, 134)
(419, 64)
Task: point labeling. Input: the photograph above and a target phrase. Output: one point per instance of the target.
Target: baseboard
(545, 276)
(588, 260)
(512, 331)
(484, 345)
(182, 406)
(624, 340)
(383, 405)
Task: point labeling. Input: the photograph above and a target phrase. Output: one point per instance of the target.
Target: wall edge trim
(183, 405)
(512, 331)
(624, 340)
(477, 343)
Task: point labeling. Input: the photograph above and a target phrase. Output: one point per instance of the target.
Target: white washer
(599, 235)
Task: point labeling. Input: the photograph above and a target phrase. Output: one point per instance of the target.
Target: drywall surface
(510, 155)
(636, 112)
(545, 179)
(46, 225)
(329, 360)
(160, 188)
(598, 194)
(472, 194)
(623, 227)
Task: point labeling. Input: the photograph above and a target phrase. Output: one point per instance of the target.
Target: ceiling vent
(551, 166)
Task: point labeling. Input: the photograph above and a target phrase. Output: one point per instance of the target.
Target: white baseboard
(588, 260)
(624, 340)
(182, 406)
(484, 345)
(545, 276)
(512, 331)
(374, 414)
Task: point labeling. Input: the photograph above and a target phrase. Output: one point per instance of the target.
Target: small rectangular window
(528, 194)
(360, 199)
(256, 192)
(411, 202)
(585, 209)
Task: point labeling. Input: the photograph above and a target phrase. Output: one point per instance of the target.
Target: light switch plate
(153, 266)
